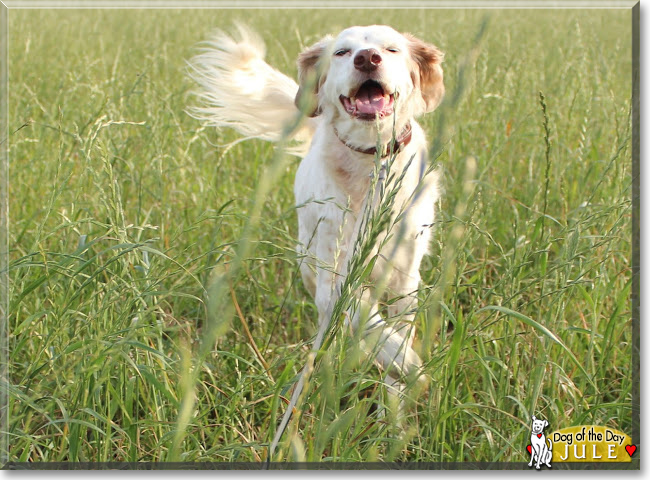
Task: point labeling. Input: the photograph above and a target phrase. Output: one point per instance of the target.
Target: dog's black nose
(367, 60)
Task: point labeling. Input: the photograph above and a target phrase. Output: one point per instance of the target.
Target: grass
(156, 308)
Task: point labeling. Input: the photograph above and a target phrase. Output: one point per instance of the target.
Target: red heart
(530, 449)
(630, 449)
(539, 435)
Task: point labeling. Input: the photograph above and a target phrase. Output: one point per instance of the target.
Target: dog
(359, 94)
(540, 451)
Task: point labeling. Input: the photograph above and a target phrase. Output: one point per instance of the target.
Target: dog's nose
(367, 60)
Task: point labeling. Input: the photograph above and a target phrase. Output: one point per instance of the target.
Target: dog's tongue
(371, 99)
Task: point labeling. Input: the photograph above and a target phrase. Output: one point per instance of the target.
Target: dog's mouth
(369, 102)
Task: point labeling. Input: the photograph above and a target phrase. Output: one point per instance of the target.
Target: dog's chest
(352, 177)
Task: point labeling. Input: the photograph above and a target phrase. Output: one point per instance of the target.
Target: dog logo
(540, 452)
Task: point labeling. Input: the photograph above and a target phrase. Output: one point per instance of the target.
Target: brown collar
(394, 146)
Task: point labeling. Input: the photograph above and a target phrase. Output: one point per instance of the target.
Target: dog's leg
(396, 389)
(538, 452)
(390, 342)
(393, 352)
(375, 334)
(549, 453)
(532, 451)
(408, 361)
(307, 270)
(325, 298)
(401, 310)
(387, 342)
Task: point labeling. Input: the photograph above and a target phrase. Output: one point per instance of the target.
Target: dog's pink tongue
(371, 100)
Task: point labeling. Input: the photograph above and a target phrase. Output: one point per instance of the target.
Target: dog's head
(538, 425)
(368, 74)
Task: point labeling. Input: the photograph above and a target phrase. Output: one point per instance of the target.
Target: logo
(540, 451)
(581, 443)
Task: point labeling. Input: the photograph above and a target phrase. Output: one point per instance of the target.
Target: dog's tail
(238, 89)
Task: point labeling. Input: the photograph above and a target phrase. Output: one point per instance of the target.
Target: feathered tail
(238, 89)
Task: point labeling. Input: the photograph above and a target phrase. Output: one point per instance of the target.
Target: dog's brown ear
(427, 74)
(311, 76)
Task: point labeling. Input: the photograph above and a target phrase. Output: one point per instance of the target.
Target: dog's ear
(427, 72)
(545, 423)
(311, 76)
(534, 418)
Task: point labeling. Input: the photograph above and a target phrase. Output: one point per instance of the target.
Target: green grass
(130, 300)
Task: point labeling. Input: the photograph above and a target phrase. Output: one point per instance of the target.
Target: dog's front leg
(401, 310)
(325, 299)
(547, 454)
(539, 451)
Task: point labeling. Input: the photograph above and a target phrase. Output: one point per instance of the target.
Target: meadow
(156, 311)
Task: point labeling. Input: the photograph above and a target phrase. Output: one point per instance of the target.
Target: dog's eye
(393, 49)
(342, 51)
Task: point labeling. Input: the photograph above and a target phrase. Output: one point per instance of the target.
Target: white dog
(540, 451)
(359, 91)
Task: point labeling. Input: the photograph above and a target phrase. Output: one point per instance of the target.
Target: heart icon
(539, 435)
(530, 449)
(630, 449)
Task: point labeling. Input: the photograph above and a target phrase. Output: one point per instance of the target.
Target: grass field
(138, 332)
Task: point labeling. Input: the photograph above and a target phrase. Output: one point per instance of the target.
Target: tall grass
(156, 308)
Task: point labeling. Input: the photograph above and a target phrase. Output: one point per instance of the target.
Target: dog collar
(394, 146)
